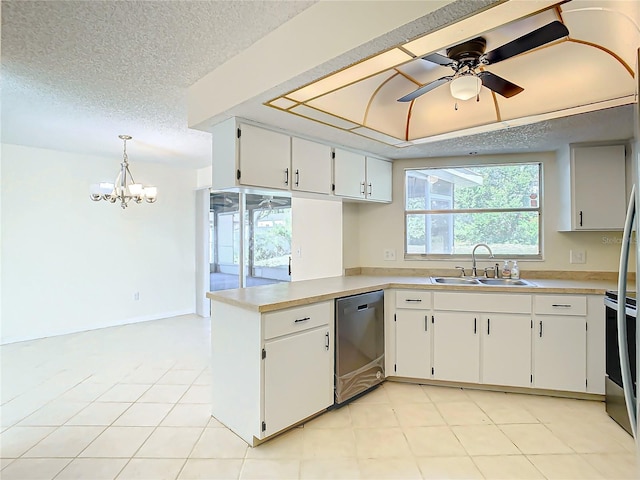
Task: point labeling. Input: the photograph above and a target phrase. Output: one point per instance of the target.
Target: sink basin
(505, 282)
(455, 280)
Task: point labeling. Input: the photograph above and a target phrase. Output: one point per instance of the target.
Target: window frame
(500, 256)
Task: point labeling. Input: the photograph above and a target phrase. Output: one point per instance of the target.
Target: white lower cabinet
(548, 342)
(456, 347)
(560, 353)
(506, 349)
(412, 330)
(560, 342)
(413, 344)
(298, 378)
(482, 338)
(270, 370)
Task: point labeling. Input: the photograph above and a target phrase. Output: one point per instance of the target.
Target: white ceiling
(77, 74)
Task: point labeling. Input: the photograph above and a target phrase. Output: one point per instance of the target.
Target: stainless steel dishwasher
(359, 344)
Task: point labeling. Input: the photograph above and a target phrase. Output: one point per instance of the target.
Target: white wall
(70, 264)
(351, 234)
(316, 244)
(382, 226)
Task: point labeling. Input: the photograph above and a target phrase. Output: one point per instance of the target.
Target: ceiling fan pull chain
(456, 106)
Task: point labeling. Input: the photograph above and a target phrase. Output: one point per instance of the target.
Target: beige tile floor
(132, 402)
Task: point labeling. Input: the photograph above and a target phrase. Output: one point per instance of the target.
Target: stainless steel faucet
(474, 270)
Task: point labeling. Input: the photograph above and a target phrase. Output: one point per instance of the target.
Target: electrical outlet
(136, 296)
(389, 254)
(577, 256)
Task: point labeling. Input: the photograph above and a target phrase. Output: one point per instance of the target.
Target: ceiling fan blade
(499, 84)
(440, 60)
(425, 88)
(550, 32)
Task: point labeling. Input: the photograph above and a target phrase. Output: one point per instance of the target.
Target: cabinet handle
(297, 182)
(326, 343)
(561, 305)
(286, 176)
(475, 325)
(413, 300)
(370, 189)
(580, 217)
(426, 323)
(302, 319)
(488, 326)
(289, 265)
(540, 328)
(362, 189)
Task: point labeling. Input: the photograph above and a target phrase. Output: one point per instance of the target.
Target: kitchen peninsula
(271, 372)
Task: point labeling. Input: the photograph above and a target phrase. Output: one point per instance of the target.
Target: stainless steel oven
(359, 344)
(615, 400)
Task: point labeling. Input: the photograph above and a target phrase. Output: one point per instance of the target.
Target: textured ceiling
(75, 74)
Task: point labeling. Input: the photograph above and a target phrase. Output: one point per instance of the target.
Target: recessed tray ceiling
(590, 69)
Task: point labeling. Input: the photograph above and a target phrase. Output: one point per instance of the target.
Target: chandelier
(125, 187)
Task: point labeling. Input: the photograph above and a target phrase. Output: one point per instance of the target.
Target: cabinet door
(560, 353)
(311, 166)
(456, 347)
(599, 187)
(265, 158)
(413, 343)
(378, 180)
(349, 174)
(298, 378)
(506, 349)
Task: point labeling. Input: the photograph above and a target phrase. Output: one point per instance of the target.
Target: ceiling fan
(466, 58)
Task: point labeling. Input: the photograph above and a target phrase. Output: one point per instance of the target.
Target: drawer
(419, 300)
(296, 319)
(560, 305)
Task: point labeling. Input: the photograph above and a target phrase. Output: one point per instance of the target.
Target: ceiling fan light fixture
(465, 87)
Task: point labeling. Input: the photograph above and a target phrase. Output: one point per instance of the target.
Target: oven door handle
(623, 346)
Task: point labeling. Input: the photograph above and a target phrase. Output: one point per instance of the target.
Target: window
(448, 210)
(263, 256)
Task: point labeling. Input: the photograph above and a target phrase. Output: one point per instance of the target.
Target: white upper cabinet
(362, 177)
(596, 199)
(252, 157)
(264, 157)
(378, 180)
(246, 155)
(349, 174)
(310, 166)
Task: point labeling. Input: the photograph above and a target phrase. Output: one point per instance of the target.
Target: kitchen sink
(455, 280)
(505, 282)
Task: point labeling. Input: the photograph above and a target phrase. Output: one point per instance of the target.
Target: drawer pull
(561, 305)
(302, 319)
(413, 300)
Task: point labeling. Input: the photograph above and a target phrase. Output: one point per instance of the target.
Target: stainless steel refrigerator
(632, 399)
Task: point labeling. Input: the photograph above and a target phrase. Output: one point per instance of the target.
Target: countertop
(267, 298)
